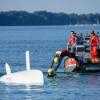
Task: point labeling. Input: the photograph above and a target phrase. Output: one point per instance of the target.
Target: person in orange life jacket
(72, 41)
(94, 44)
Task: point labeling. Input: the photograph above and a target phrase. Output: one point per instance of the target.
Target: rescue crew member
(57, 60)
(94, 44)
(80, 39)
(72, 41)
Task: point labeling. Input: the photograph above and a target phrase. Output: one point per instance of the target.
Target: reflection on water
(85, 86)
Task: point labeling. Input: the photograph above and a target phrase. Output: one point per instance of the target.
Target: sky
(66, 6)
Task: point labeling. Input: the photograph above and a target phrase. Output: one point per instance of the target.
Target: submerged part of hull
(27, 77)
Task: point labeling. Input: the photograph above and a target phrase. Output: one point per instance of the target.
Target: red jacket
(94, 40)
(94, 43)
(72, 40)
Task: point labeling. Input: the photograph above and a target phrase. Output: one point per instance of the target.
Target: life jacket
(94, 43)
(70, 61)
(94, 40)
(72, 40)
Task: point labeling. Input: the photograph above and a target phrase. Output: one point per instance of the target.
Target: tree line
(19, 18)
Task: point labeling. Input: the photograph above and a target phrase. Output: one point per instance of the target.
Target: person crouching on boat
(94, 44)
(72, 41)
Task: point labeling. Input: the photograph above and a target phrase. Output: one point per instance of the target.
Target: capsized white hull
(27, 77)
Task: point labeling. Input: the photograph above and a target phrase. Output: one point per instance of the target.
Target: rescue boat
(77, 61)
(83, 58)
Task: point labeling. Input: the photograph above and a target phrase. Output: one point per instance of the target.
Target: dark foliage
(14, 18)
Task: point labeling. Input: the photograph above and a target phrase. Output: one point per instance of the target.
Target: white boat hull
(27, 77)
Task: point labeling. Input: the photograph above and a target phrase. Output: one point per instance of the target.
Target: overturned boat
(26, 77)
(77, 61)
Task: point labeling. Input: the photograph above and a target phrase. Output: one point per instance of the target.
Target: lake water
(43, 42)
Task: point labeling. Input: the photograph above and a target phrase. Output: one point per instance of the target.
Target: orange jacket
(72, 40)
(94, 40)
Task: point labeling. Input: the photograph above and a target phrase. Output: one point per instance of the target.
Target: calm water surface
(43, 42)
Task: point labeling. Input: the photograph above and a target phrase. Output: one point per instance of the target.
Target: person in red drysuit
(94, 43)
(72, 41)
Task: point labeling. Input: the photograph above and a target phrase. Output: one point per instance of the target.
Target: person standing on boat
(72, 41)
(80, 39)
(94, 44)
